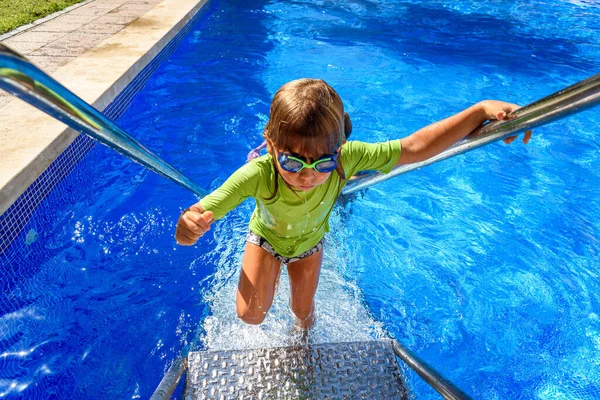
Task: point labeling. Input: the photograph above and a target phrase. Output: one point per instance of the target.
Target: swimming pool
(485, 265)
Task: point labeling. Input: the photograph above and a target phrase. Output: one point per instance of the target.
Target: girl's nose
(307, 173)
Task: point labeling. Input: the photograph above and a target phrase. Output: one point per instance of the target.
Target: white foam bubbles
(341, 314)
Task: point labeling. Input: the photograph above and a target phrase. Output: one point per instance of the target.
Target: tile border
(19, 213)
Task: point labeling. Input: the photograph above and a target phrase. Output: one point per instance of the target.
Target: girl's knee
(253, 317)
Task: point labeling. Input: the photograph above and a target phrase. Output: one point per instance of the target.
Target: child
(297, 183)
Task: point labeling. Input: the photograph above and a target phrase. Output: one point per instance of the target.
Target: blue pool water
(485, 265)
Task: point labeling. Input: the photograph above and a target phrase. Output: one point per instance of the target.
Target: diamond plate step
(356, 370)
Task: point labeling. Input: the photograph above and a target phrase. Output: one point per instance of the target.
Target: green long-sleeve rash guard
(295, 222)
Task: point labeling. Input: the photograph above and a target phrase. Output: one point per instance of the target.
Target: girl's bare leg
(304, 278)
(256, 288)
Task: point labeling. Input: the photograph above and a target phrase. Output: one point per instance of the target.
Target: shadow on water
(220, 95)
(447, 36)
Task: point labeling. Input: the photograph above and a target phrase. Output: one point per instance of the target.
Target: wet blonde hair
(307, 117)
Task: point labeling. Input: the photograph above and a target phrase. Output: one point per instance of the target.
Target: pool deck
(57, 39)
(94, 48)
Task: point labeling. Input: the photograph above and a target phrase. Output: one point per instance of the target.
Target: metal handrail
(169, 382)
(21, 78)
(444, 387)
(571, 100)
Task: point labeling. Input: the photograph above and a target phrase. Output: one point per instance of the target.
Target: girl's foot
(298, 336)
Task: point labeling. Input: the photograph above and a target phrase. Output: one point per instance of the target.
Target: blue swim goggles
(295, 163)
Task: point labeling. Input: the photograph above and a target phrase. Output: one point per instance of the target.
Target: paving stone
(35, 35)
(60, 50)
(108, 29)
(49, 64)
(103, 5)
(107, 3)
(82, 38)
(57, 25)
(23, 47)
(75, 19)
(121, 2)
(116, 19)
(138, 6)
(143, 2)
(92, 10)
(126, 12)
(74, 44)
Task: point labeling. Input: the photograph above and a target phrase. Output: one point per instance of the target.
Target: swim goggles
(296, 163)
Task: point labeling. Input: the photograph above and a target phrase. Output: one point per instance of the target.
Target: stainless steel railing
(444, 387)
(574, 99)
(23, 79)
(170, 380)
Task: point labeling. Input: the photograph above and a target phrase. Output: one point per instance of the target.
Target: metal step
(356, 370)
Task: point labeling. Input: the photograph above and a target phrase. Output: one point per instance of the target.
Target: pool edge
(98, 76)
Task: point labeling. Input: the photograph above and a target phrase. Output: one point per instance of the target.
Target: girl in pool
(296, 184)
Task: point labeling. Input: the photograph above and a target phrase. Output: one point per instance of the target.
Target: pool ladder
(367, 369)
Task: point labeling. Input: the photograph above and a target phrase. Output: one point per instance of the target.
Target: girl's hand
(499, 110)
(192, 224)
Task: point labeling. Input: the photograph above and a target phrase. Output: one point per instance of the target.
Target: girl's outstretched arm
(437, 137)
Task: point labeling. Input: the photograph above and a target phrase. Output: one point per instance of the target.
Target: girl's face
(305, 180)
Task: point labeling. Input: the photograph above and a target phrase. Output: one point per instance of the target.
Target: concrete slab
(117, 19)
(70, 45)
(81, 38)
(37, 35)
(124, 12)
(60, 25)
(72, 19)
(104, 5)
(104, 28)
(63, 48)
(135, 6)
(23, 47)
(49, 64)
(92, 10)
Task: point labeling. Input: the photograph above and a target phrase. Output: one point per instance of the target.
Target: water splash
(341, 316)
(341, 313)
